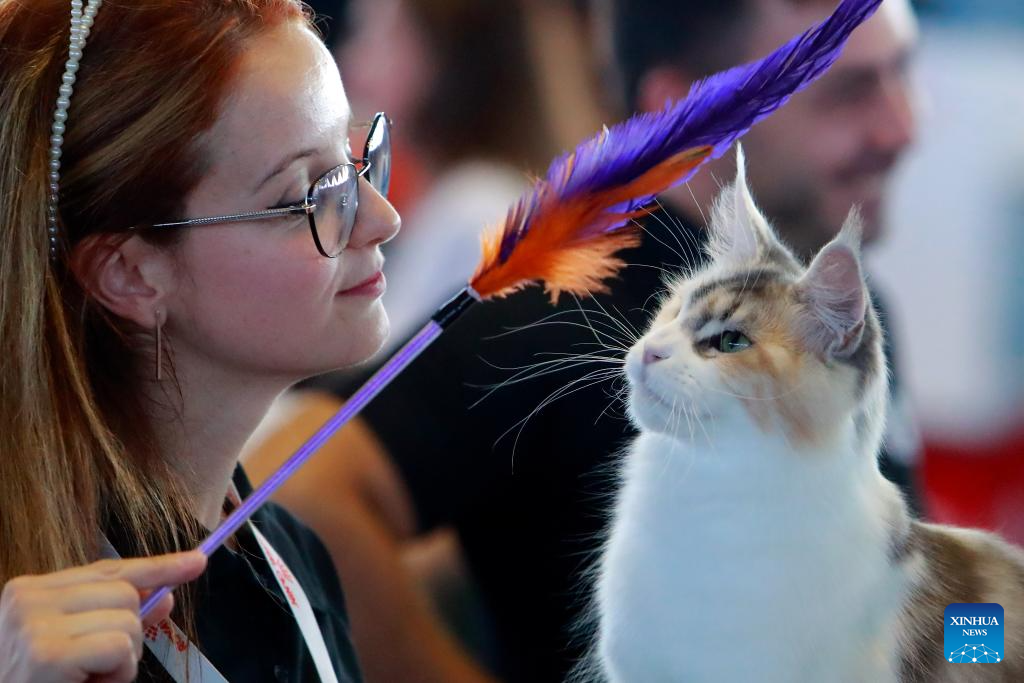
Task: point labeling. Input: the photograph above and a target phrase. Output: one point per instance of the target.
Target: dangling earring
(159, 346)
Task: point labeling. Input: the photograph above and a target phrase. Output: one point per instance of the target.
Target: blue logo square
(974, 633)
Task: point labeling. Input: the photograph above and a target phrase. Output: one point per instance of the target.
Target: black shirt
(245, 626)
(530, 501)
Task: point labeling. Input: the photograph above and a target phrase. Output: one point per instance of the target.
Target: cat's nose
(654, 353)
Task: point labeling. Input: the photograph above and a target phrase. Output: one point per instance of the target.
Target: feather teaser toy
(564, 234)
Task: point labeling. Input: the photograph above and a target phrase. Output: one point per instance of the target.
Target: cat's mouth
(641, 390)
(639, 377)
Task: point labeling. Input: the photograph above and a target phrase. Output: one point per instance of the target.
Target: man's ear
(661, 84)
(129, 277)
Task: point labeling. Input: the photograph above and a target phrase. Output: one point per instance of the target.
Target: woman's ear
(129, 277)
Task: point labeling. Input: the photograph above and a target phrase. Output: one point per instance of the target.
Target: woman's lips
(373, 286)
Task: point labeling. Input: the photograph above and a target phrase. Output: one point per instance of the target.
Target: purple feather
(716, 112)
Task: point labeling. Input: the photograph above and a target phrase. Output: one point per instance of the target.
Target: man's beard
(802, 214)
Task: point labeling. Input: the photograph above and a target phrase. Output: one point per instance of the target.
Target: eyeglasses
(333, 198)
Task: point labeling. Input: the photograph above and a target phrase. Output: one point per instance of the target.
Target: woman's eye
(729, 341)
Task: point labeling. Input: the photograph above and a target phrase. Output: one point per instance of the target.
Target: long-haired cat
(754, 539)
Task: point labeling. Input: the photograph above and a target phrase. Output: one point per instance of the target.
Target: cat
(753, 538)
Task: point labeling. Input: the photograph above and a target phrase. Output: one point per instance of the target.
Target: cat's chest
(768, 573)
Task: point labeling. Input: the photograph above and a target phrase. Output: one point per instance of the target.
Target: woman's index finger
(141, 572)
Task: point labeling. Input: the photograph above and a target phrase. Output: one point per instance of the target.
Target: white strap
(171, 646)
(185, 663)
(301, 608)
(182, 660)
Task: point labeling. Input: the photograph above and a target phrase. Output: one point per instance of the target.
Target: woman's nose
(376, 220)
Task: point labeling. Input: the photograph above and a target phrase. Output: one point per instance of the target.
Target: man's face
(833, 145)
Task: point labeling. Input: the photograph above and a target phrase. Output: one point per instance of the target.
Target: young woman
(183, 234)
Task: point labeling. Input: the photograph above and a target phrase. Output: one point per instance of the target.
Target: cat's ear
(739, 231)
(834, 295)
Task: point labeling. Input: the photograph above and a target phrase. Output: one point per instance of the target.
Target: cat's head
(756, 340)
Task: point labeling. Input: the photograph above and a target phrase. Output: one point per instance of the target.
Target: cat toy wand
(566, 231)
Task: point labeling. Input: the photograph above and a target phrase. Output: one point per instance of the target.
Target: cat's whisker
(546, 321)
(700, 423)
(617, 344)
(598, 353)
(665, 220)
(521, 425)
(520, 328)
(685, 414)
(693, 245)
(694, 420)
(600, 312)
(562, 366)
(585, 382)
(608, 330)
(591, 325)
(697, 204)
(559, 356)
(680, 257)
(667, 273)
(617, 397)
(636, 334)
(647, 301)
(630, 334)
(670, 427)
(543, 369)
(609, 354)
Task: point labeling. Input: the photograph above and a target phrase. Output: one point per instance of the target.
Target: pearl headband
(81, 23)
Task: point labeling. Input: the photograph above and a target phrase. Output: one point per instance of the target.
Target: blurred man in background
(832, 147)
(426, 456)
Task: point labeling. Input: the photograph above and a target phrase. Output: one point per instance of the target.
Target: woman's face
(258, 297)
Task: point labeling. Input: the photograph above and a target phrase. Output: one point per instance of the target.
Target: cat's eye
(729, 341)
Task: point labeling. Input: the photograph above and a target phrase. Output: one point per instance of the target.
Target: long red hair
(76, 453)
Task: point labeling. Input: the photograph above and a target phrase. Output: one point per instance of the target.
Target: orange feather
(568, 247)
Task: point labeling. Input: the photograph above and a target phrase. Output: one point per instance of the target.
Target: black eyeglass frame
(308, 207)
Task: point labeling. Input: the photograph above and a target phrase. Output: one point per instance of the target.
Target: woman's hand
(83, 624)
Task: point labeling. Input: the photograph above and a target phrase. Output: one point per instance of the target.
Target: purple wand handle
(406, 355)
